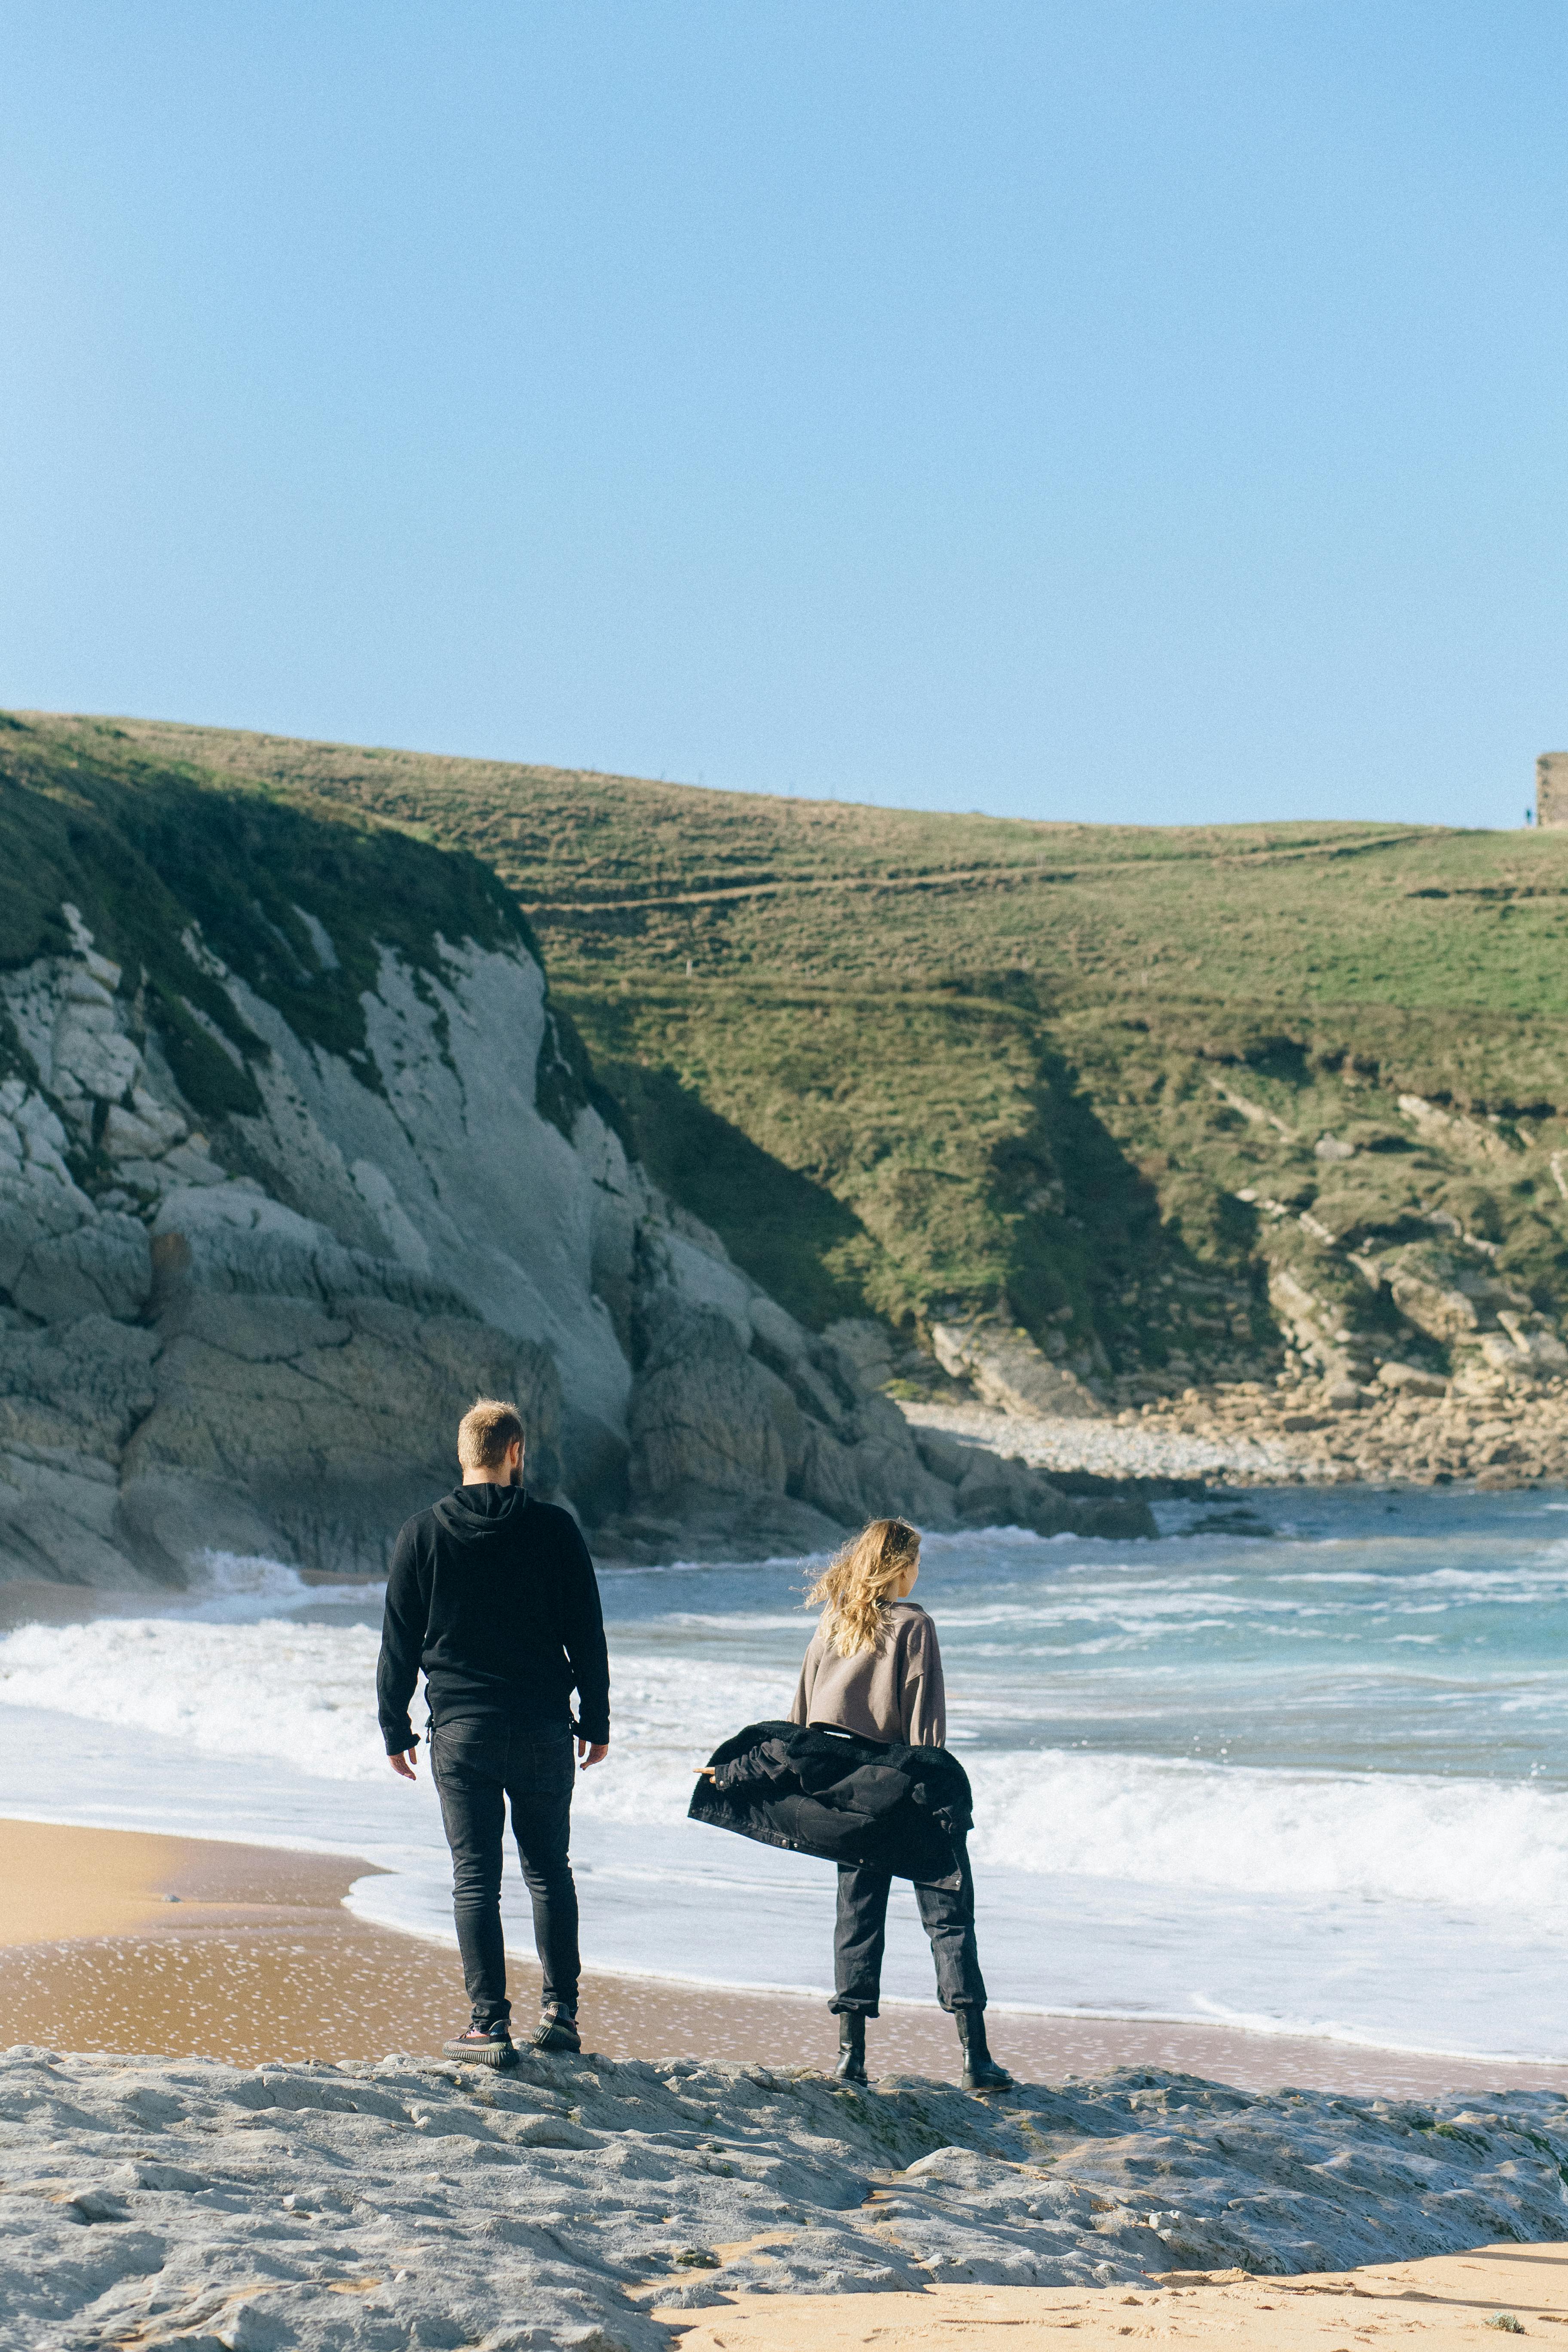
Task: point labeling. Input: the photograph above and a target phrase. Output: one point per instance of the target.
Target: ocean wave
(238, 1586)
(304, 1693)
(1406, 1837)
(227, 1681)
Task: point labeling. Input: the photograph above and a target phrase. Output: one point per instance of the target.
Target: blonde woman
(873, 1668)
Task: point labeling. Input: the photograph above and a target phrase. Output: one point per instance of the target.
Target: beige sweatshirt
(894, 1691)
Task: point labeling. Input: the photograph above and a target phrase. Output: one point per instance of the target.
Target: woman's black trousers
(947, 1915)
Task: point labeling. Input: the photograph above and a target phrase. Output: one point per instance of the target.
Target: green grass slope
(930, 1064)
(170, 867)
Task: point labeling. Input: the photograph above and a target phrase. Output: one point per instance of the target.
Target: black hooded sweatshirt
(494, 1595)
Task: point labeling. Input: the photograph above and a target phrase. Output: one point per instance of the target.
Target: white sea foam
(218, 1676)
(1387, 1836)
(229, 1585)
(297, 1693)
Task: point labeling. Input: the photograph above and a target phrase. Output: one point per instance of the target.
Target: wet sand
(1440, 2305)
(98, 1882)
(173, 1947)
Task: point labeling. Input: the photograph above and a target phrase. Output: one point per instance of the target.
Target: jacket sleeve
(800, 1706)
(403, 1627)
(923, 1700)
(582, 1636)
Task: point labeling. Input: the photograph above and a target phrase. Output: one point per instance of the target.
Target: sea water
(1300, 1764)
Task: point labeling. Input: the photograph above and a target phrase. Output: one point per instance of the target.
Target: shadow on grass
(1096, 1256)
(776, 1224)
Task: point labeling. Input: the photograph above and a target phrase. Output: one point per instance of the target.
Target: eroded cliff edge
(296, 1157)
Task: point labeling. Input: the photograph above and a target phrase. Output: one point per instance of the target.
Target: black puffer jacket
(818, 1790)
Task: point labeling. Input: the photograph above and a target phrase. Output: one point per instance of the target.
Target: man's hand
(403, 1765)
(590, 1752)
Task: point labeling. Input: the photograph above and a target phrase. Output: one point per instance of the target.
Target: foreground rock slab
(415, 2204)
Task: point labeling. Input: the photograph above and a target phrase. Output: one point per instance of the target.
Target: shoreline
(163, 1946)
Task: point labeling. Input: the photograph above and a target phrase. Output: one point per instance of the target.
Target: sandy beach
(1442, 2305)
(112, 1939)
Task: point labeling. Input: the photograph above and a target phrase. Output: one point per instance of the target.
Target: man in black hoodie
(493, 1594)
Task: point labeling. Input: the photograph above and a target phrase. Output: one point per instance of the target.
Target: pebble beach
(1296, 1430)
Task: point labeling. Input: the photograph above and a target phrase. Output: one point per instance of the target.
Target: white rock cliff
(261, 1338)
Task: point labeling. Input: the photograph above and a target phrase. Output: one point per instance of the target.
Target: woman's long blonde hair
(852, 1592)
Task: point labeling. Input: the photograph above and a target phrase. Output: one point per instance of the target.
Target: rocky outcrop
(256, 1330)
(714, 1422)
(563, 2202)
(1371, 1299)
(1410, 1355)
(747, 1403)
(1410, 1428)
(335, 1418)
(1008, 1370)
(191, 1362)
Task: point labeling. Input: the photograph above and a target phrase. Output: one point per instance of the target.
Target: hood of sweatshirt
(478, 1514)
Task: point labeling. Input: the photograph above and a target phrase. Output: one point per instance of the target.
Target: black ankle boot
(851, 2066)
(981, 2071)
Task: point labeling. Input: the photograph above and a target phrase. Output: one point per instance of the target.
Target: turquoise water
(1410, 1634)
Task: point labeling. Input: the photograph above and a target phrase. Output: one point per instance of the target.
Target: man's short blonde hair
(487, 1432)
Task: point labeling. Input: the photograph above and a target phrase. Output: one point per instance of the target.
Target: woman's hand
(705, 1773)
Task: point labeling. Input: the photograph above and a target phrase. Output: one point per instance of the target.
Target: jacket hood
(476, 1514)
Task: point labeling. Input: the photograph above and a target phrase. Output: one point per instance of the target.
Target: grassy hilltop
(925, 1066)
(152, 855)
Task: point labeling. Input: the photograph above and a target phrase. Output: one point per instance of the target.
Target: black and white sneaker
(485, 2045)
(557, 2030)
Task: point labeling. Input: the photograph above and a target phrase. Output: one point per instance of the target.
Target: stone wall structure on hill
(1552, 788)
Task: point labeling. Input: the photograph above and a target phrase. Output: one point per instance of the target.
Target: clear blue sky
(1127, 411)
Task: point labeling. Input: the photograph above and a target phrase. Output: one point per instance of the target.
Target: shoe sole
(558, 2042)
(495, 2054)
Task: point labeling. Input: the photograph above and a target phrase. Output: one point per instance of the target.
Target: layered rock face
(1009, 1371)
(188, 1362)
(257, 1332)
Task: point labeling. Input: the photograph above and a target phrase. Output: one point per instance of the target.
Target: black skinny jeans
(478, 1763)
(947, 1915)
